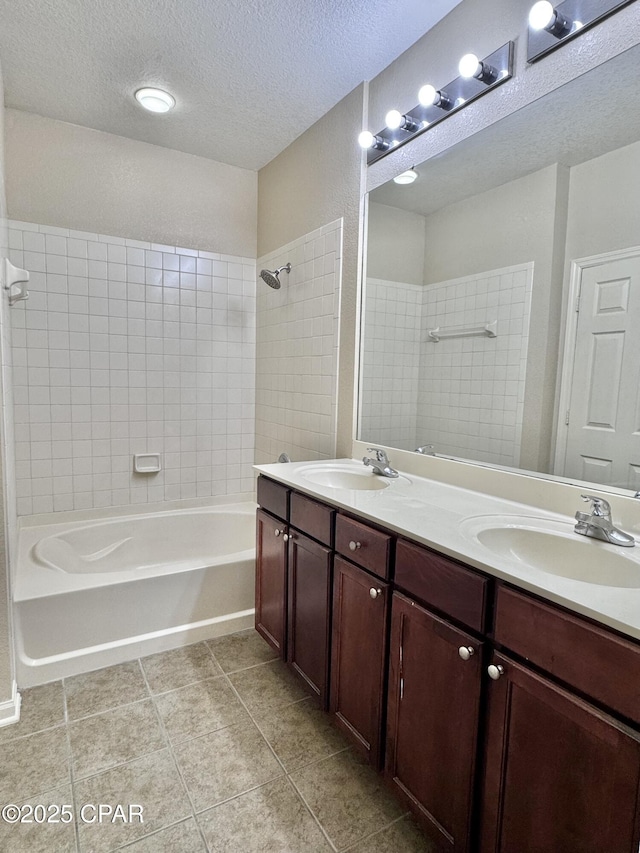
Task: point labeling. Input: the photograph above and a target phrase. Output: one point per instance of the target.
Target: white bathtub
(92, 593)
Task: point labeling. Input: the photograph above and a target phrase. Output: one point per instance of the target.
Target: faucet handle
(381, 455)
(600, 507)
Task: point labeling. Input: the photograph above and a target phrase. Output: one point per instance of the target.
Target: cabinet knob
(466, 652)
(375, 593)
(277, 532)
(287, 536)
(495, 671)
(353, 546)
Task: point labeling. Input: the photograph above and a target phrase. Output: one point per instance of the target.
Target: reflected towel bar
(488, 329)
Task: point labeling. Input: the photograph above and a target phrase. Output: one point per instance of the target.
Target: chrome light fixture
(552, 25)
(477, 77)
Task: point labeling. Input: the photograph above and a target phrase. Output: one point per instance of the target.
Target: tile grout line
(76, 828)
(165, 734)
(286, 774)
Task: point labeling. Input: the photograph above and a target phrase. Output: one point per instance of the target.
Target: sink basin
(344, 477)
(553, 547)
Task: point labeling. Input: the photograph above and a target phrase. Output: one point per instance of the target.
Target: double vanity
(479, 652)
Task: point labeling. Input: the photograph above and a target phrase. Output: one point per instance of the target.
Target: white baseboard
(10, 710)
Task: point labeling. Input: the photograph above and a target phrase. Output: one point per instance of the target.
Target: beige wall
(7, 522)
(73, 177)
(604, 215)
(315, 181)
(395, 244)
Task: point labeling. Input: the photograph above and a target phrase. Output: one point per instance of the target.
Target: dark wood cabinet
(560, 775)
(309, 608)
(359, 655)
(435, 679)
(271, 580)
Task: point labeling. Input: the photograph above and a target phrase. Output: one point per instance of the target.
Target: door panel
(560, 775)
(271, 580)
(433, 719)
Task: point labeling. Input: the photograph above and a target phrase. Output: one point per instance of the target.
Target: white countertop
(439, 515)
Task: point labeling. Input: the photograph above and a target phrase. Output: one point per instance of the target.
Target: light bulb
(428, 95)
(407, 177)
(393, 119)
(155, 100)
(541, 15)
(366, 139)
(470, 65)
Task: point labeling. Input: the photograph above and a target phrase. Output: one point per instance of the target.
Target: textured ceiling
(249, 76)
(595, 113)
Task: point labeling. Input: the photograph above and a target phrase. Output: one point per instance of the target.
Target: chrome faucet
(380, 465)
(426, 450)
(598, 524)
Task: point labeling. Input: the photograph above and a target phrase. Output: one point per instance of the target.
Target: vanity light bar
(481, 76)
(551, 25)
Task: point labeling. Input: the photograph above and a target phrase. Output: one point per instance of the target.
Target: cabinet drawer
(312, 518)
(442, 583)
(597, 662)
(367, 547)
(273, 497)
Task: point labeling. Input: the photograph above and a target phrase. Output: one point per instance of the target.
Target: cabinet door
(271, 580)
(435, 682)
(560, 775)
(358, 656)
(309, 612)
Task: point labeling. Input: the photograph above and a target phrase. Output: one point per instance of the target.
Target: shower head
(273, 278)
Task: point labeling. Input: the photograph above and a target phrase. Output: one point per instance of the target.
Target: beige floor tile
(179, 667)
(182, 838)
(104, 689)
(347, 796)
(33, 765)
(200, 708)
(271, 819)
(41, 708)
(300, 733)
(225, 763)
(403, 835)
(42, 837)
(114, 737)
(152, 782)
(238, 651)
(268, 686)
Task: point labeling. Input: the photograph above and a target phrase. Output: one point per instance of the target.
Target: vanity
(501, 701)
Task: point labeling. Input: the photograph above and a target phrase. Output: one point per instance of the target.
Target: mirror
(471, 341)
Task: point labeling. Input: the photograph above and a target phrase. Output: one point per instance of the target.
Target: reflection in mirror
(471, 337)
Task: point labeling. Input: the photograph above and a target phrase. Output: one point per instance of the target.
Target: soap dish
(146, 463)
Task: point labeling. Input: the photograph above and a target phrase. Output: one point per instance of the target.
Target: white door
(603, 431)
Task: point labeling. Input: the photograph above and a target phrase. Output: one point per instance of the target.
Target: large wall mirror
(471, 337)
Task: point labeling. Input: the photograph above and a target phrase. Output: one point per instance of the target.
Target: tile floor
(220, 745)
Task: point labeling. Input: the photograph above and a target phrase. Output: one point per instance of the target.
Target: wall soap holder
(15, 281)
(146, 463)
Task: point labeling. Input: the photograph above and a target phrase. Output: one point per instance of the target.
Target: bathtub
(96, 592)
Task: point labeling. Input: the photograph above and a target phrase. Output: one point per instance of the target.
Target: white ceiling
(249, 76)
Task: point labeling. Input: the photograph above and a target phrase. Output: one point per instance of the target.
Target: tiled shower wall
(391, 359)
(127, 347)
(472, 389)
(297, 349)
(464, 395)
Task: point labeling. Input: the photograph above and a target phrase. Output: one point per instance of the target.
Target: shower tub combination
(92, 593)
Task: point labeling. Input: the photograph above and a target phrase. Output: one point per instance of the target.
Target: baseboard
(10, 710)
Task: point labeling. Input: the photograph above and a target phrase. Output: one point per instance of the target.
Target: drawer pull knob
(287, 536)
(375, 593)
(277, 532)
(466, 652)
(353, 546)
(495, 672)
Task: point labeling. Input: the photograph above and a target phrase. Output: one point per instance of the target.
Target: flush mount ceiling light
(435, 105)
(155, 100)
(407, 177)
(550, 26)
